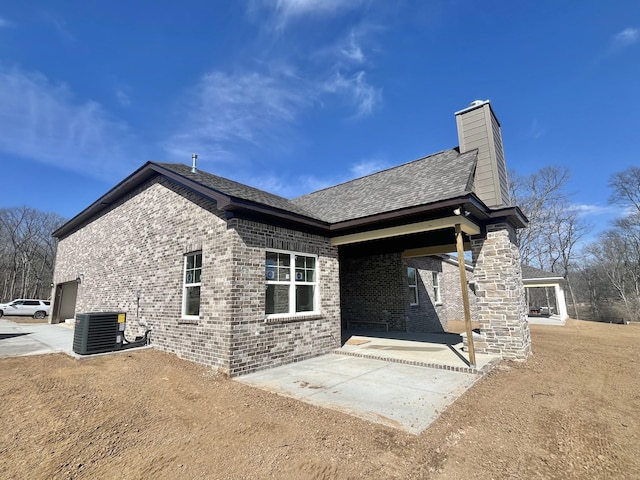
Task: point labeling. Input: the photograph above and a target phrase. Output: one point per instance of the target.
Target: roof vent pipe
(194, 159)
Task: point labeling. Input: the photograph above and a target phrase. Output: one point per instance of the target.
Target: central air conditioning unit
(99, 332)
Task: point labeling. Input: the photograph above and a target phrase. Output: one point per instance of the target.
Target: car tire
(39, 315)
(1, 313)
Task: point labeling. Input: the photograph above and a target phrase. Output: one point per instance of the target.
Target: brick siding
(376, 287)
(139, 244)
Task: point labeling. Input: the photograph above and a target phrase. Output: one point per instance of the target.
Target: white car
(26, 307)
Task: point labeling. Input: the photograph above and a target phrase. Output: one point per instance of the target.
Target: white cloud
(367, 167)
(224, 110)
(60, 25)
(363, 96)
(288, 10)
(536, 131)
(626, 37)
(352, 50)
(586, 209)
(42, 121)
(122, 97)
(4, 22)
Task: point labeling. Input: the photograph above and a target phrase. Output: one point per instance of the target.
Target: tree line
(602, 275)
(27, 252)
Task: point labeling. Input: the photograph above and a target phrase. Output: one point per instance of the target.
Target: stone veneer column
(504, 328)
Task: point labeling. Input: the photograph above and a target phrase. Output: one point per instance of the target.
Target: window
(412, 277)
(191, 289)
(436, 288)
(291, 280)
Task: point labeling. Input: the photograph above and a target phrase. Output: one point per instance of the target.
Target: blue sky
(295, 95)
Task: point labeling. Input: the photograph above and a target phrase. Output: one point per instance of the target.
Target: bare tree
(539, 195)
(27, 252)
(615, 256)
(555, 227)
(626, 188)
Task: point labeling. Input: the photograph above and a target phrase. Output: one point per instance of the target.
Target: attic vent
(194, 160)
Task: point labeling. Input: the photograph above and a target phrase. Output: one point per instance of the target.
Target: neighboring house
(234, 277)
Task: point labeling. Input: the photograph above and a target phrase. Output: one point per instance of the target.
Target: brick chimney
(479, 128)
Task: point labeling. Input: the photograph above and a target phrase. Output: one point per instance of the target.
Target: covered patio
(544, 292)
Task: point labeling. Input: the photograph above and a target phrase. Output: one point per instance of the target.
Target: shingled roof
(531, 273)
(235, 189)
(441, 176)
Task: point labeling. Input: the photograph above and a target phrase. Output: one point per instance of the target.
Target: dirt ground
(571, 411)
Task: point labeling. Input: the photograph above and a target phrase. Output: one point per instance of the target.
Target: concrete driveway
(18, 339)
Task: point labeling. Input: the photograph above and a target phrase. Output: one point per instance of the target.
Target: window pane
(270, 266)
(192, 301)
(305, 269)
(272, 258)
(413, 295)
(304, 298)
(284, 274)
(284, 260)
(411, 274)
(277, 299)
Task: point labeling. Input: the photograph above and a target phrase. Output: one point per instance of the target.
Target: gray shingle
(531, 273)
(440, 176)
(235, 189)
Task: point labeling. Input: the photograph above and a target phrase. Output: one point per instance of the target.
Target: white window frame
(293, 282)
(186, 285)
(413, 288)
(437, 291)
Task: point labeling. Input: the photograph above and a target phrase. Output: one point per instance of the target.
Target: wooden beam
(424, 251)
(466, 225)
(465, 295)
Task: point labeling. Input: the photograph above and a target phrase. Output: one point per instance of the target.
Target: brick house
(240, 279)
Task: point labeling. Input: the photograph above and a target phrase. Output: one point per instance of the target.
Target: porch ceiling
(467, 226)
(423, 243)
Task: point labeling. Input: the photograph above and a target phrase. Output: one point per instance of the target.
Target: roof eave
(239, 206)
(142, 174)
(469, 200)
(542, 280)
(512, 215)
(151, 169)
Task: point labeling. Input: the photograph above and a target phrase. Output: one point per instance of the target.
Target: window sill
(293, 318)
(188, 321)
(414, 304)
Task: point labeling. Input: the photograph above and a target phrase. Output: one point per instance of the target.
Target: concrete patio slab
(407, 397)
(443, 351)
(551, 320)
